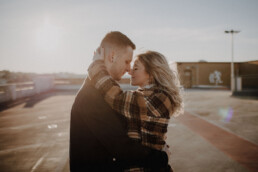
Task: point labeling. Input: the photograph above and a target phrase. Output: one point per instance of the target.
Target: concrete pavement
(217, 133)
(35, 133)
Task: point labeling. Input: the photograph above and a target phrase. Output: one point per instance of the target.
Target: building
(218, 74)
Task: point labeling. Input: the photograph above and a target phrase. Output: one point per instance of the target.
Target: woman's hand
(97, 63)
(99, 54)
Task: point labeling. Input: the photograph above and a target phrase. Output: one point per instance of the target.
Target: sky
(51, 36)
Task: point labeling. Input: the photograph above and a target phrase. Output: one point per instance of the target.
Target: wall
(12, 92)
(194, 74)
(249, 74)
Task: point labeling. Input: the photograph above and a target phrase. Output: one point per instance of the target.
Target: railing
(15, 91)
(10, 92)
(68, 84)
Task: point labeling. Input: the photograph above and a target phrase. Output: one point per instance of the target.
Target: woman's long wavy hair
(161, 75)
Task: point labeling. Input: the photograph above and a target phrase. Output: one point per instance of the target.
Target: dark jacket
(99, 140)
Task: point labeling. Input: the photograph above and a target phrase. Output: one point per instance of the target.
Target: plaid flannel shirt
(147, 110)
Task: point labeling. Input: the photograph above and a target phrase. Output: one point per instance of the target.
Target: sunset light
(48, 36)
(139, 85)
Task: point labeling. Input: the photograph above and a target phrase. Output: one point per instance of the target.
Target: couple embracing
(116, 130)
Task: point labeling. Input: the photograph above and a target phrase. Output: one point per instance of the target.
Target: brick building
(198, 74)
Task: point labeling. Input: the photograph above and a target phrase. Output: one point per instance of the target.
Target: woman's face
(139, 76)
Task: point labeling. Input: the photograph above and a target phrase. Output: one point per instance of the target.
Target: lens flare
(226, 114)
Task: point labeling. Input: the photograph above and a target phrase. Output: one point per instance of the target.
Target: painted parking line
(239, 149)
(38, 162)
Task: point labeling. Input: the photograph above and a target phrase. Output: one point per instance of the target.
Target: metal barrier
(10, 92)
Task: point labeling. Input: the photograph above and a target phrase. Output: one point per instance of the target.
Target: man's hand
(99, 54)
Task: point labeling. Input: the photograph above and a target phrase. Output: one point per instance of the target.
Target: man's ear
(110, 56)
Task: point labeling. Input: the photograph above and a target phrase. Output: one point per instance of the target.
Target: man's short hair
(117, 38)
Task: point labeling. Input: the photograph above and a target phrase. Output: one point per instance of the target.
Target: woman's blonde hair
(160, 73)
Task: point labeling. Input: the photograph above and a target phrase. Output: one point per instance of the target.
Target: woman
(149, 108)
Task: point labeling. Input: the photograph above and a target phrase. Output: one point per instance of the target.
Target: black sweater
(99, 140)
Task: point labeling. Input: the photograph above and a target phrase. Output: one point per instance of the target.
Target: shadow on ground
(33, 100)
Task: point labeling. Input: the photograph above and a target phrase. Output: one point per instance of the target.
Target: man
(98, 135)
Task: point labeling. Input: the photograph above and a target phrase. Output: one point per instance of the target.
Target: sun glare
(48, 36)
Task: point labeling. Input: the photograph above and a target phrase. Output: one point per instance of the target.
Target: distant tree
(12, 77)
(6, 74)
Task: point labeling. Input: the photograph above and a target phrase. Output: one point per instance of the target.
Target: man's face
(121, 63)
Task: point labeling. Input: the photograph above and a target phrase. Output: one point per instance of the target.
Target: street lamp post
(232, 60)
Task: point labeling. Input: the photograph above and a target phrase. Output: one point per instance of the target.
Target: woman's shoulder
(160, 91)
(163, 95)
(154, 92)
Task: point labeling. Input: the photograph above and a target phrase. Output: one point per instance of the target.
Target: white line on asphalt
(38, 162)
(52, 126)
(42, 117)
(62, 134)
(63, 162)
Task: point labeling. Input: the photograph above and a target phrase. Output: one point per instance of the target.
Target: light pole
(232, 60)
